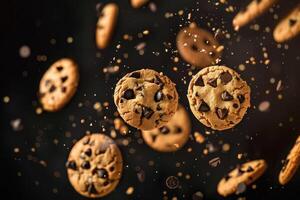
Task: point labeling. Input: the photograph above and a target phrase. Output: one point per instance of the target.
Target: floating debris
(215, 162)
(172, 182)
(16, 124)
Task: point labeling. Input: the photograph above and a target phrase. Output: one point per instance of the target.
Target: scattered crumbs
(97, 106)
(199, 137)
(70, 40)
(6, 99)
(38, 110)
(198, 196)
(130, 190)
(24, 51)
(264, 106)
(16, 124)
(226, 147)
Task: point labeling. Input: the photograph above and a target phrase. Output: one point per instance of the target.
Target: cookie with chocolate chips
(252, 11)
(146, 99)
(106, 24)
(244, 174)
(291, 164)
(58, 84)
(197, 46)
(94, 165)
(218, 97)
(289, 27)
(171, 136)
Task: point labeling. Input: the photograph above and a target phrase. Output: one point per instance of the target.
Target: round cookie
(243, 174)
(146, 99)
(171, 136)
(58, 84)
(94, 165)
(290, 164)
(218, 97)
(197, 46)
(252, 11)
(289, 27)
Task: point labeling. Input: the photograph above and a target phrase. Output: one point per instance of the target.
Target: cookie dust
(121, 126)
(130, 190)
(226, 147)
(199, 137)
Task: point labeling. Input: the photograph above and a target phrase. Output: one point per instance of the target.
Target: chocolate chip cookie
(218, 97)
(252, 11)
(138, 3)
(106, 24)
(94, 165)
(146, 99)
(58, 84)
(171, 136)
(289, 27)
(243, 175)
(291, 164)
(197, 46)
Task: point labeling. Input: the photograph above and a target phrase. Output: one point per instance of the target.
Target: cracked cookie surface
(218, 97)
(94, 165)
(172, 136)
(58, 84)
(146, 99)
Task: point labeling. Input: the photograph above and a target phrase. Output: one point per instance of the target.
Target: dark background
(268, 135)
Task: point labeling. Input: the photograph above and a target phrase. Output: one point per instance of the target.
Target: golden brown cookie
(252, 11)
(290, 164)
(94, 165)
(138, 3)
(243, 175)
(146, 99)
(289, 27)
(106, 24)
(218, 97)
(58, 84)
(197, 46)
(171, 136)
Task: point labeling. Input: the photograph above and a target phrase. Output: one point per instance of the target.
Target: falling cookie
(106, 24)
(197, 46)
(218, 97)
(94, 165)
(290, 164)
(289, 27)
(58, 84)
(138, 3)
(146, 99)
(241, 176)
(252, 11)
(171, 136)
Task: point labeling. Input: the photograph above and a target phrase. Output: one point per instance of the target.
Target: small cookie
(252, 11)
(138, 3)
(197, 46)
(146, 99)
(94, 165)
(106, 24)
(58, 84)
(244, 174)
(171, 136)
(289, 27)
(218, 97)
(290, 164)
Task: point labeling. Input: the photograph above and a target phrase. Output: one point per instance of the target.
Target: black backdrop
(267, 135)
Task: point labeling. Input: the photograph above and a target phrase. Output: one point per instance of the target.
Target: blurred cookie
(146, 99)
(58, 84)
(290, 164)
(252, 11)
(94, 165)
(241, 176)
(106, 24)
(289, 27)
(218, 97)
(197, 46)
(171, 136)
(138, 3)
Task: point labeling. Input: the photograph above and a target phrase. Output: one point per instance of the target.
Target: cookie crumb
(130, 190)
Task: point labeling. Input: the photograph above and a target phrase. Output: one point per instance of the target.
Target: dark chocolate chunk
(153, 137)
(129, 94)
(212, 82)
(222, 112)
(102, 173)
(250, 169)
(225, 77)
(158, 81)
(199, 82)
(194, 47)
(178, 129)
(158, 108)
(91, 189)
(64, 89)
(158, 96)
(241, 98)
(169, 97)
(88, 152)
(164, 130)
(59, 68)
(52, 88)
(85, 165)
(135, 75)
(147, 112)
(227, 177)
(235, 105)
(71, 165)
(204, 107)
(292, 22)
(240, 171)
(63, 79)
(112, 168)
(225, 96)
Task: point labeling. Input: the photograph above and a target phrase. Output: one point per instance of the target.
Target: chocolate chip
(292, 22)
(225, 96)
(85, 165)
(240, 171)
(222, 112)
(153, 137)
(88, 152)
(71, 165)
(105, 183)
(158, 96)
(64, 89)
(178, 129)
(225, 77)
(129, 94)
(212, 82)
(91, 189)
(63, 79)
(164, 130)
(169, 97)
(204, 107)
(52, 88)
(194, 47)
(158, 108)
(147, 112)
(227, 177)
(235, 105)
(135, 75)
(59, 68)
(158, 81)
(112, 168)
(199, 82)
(102, 173)
(206, 42)
(250, 169)
(241, 98)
